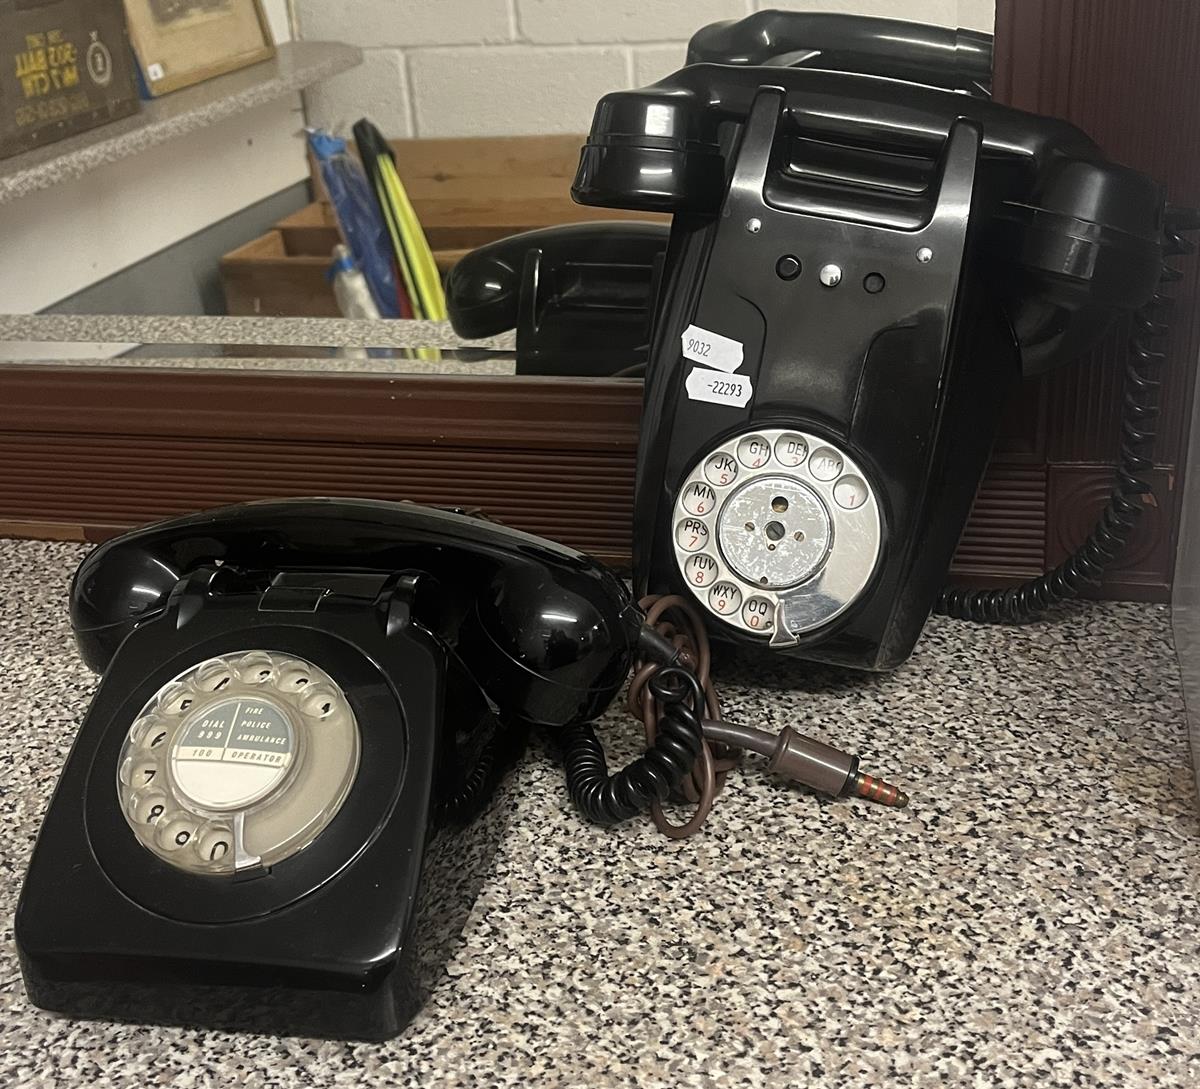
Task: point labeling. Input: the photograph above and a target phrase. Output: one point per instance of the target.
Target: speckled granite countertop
(1031, 920)
(208, 330)
(37, 336)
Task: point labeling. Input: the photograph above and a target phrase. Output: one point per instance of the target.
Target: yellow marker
(425, 271)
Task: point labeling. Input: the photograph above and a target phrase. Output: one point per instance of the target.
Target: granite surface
(296, 65)
(446, 363)
(1031, 919)
(204, 330)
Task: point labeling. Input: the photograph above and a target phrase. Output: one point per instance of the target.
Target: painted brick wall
(494, 67)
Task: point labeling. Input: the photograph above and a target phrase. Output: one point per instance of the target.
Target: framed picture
(181, 42)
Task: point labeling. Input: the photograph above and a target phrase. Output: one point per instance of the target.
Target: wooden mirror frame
(89, 452)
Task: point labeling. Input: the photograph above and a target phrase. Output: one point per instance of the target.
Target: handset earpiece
(1084, 247)
(483, 289)
(551, 647)
(959, 60)
(655, 150)
(120, 585)
(579, 295)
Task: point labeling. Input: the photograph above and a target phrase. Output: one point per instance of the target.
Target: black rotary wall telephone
(270, 818)
(859, 270)
(848, 303)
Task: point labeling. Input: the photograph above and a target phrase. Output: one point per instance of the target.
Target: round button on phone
(791, 450)
(850, 492)
(754, 452)
(701, 571)
(691, 534)
(756, 614)
(721, 469)
(699, 499)
(725, 598)
(825, 464)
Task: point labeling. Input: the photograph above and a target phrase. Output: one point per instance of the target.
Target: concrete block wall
(497, 67)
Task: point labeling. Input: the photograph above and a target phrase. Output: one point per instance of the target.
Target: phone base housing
(906, 383)
(345, 938)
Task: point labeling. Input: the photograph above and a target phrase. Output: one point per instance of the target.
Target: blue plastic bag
(358, 216)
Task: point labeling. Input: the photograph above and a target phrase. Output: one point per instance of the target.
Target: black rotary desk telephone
(271, 816)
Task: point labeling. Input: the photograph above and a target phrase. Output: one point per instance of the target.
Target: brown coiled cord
(674, 618)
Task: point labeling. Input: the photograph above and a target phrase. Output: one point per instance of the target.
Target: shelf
(296, 65)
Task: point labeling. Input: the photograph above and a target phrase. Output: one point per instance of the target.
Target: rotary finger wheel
(239, 762)
(776, 533)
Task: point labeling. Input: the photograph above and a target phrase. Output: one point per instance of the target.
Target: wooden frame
(176, 46)
(553, 456)
(88, 452)
(550, 456)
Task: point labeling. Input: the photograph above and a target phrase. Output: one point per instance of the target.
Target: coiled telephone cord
(676, 621)
(670, 702)
(691, 748)
(1086, 566)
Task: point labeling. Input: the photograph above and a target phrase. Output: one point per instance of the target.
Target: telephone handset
(852, 290)
(957, 60)
(499, 591)
(579, 296)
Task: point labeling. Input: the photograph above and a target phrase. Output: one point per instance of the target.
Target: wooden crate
(466, 192)
(268, 277)
(285, 272)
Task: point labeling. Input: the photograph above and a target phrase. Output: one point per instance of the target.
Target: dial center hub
(238, 763)
(775, 532)
(233, 753)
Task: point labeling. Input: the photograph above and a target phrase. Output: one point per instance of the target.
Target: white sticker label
(155, 72)
(719, 389)
(712, 349)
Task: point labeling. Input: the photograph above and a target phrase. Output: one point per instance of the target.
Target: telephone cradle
(282, 801)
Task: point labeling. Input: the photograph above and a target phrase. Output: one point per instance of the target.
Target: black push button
(788, 267)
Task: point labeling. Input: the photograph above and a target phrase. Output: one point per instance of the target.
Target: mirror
(210, 194)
